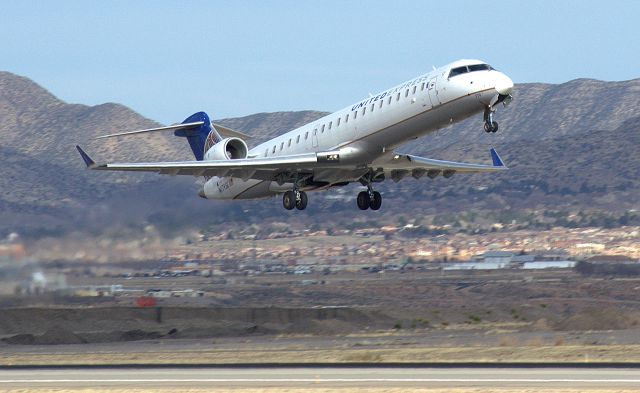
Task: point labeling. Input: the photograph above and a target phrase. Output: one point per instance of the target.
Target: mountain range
(570, 147)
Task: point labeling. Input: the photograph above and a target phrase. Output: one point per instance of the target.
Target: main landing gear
(295, 198)
(489, 124)
(369, 199)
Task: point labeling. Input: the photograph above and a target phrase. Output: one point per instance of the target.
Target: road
(372, 377)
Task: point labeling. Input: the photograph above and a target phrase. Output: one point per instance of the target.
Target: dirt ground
(391, 317)
(454, 347)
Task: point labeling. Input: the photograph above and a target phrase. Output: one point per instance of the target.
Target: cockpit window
(472, 68)
(480, 67)
(458, 71)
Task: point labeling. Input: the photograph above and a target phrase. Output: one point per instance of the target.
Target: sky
(168, 59)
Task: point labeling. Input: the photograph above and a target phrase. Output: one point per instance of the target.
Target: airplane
(353, 145)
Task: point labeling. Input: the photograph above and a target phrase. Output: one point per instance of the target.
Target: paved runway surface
(323, 377)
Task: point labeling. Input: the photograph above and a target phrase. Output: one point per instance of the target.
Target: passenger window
(398, 97)
(346, 119)
(364, 110)
(338, 124)
(306, 135)
(381, 101)
(373, 107)
(422, 87)
(281, 146)
(322, 129)
(266, 152)
(289, 143)
(315, 131)
(389, 101)
(274, 149)
(330, 123)
(355, 115)
(406, 93)
(298, 139)
(414, 89)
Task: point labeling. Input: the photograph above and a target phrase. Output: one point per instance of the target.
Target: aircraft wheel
(363, 200)
(301, 204)
(289, 200)
(376, 201)
(491, 126)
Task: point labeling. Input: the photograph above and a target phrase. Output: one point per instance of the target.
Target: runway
(338, 377)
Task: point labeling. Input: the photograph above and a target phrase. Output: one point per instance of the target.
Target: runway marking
(329, 380)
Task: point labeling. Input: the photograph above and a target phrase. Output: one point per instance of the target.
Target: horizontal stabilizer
(167, 128)
(229, 133)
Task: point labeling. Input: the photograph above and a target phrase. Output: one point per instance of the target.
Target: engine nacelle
(228, 149)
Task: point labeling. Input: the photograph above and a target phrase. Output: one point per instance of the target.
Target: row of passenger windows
(346, 118)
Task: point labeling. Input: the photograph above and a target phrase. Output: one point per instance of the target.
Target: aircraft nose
(504, 84)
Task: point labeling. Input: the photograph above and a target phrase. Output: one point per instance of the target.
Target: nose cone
(504, 84)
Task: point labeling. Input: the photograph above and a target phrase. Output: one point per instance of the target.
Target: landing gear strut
(295, 198)
(489, 124)
(369, 199)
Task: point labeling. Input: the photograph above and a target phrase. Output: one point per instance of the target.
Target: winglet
(497, 161)
(87, 160)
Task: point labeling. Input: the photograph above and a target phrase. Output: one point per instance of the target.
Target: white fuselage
(368, 129)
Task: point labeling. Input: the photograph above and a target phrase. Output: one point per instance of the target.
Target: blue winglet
(87, 160)
(497, 161)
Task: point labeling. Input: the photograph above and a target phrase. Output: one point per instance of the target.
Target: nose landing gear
(489, 124)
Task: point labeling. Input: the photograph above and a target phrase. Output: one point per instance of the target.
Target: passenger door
(432, 88)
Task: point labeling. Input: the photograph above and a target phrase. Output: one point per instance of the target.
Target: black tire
(487, 127)
(494, 126)
(363, 200)
(376, 201)
(289, 200)
(302, 203)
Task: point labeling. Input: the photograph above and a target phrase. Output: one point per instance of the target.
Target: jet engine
(228, 149)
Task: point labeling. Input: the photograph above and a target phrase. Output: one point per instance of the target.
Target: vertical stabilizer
(197, 137)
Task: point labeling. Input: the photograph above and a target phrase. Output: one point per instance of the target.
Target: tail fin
(200, 138)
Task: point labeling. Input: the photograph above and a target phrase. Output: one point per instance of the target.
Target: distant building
(548, 265)
(551, 255)
(476, 265)
(498, 257)
(523, 258)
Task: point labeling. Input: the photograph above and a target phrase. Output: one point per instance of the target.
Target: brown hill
(569, 146)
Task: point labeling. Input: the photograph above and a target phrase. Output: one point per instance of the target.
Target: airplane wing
(397, 166)
(284, 168)
(250, 168)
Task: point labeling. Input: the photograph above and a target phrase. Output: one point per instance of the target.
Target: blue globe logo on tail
(198, 137)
